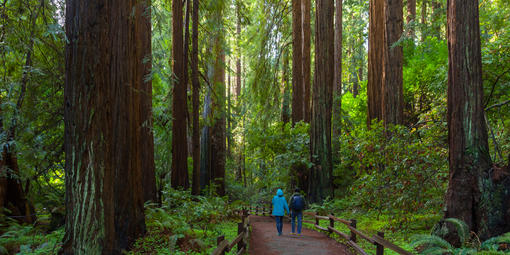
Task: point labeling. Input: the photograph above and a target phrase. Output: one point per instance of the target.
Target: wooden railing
(377, 240)
(241, 240)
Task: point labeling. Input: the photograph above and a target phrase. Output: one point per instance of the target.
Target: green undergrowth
(186, 224)
(30, 239)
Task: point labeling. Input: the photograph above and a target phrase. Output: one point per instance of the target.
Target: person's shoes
(299, 234)
(279, 234)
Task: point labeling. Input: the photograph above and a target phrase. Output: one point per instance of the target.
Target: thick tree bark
(218, 132)
(474, 193)
(205, 143)
(179, 109)
(306, 9)
(297, 63)
(320, 180)
(411, 15)
(238, 64)
(144, 52)
(375, 60)
(103, 94)
(393, 93)
(195, 189)
(337, 91)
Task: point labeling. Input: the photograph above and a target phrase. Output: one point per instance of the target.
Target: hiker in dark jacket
(279, 208)
(297, 205)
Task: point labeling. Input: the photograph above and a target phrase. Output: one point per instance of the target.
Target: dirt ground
(264, 240)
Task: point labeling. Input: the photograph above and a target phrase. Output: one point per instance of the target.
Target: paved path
(265, 241)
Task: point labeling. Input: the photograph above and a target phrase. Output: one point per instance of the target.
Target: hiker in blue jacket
(297, 205)
(279, 208)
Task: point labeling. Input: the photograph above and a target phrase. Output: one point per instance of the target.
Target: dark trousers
(279, 224)
(299, 216)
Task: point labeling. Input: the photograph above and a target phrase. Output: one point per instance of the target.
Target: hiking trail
(265, 241)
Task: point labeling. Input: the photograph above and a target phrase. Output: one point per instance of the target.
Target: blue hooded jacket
(279, 204)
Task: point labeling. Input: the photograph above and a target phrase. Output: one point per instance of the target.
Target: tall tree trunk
(411, 15)
(306, 10)
(297, 63)
(229, 130)
(337, 91)
(195, 189)
(474, 195)
(103, 94)
(179, 105)
(423, 20)
(144, 52)
(393, 93)
(286, 92)
(320, 139)
(238, 64)
(205, 143)
(375, 60)
(218, 146)
(437, 21)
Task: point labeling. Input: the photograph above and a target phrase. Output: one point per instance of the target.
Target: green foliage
(29, 240)
(433, 244)
(396, 170)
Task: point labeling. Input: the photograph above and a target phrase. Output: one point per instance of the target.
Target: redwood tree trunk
(474, 194)
(297, 63)
(104, 94)
(286, 92)
(218, 131)
(423, 20)
(375, 60)
(393, 93)
(179, 129)
(195, 189)
(320, 138)
(337, 91)
(411, 15)
(306, 9)
(238, 64)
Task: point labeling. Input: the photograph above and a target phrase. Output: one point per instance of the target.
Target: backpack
(298, 203)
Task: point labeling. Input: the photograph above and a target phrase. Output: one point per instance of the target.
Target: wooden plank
(235, 241)
(321, 217)
(221, 248)
(390, 245)
(321, 228)
(342, 235)
(346, 222)
(309, 213)
(361, 234)
(356, 247)
(241, 251)
(308, 221)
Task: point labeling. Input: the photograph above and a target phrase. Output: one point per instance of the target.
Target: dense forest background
(232, 99)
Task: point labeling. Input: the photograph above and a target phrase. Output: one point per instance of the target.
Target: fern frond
(430, 241)
(464, 251)
(462, 228)
(434, 251)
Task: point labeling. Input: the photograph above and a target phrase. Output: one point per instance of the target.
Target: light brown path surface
(265, 241)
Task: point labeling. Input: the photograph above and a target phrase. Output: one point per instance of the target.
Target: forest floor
(264, 240)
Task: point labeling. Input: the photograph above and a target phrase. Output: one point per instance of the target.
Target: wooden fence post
(353, 235)
(316, 220)
(331, 224)
(218, 241)
(380, 248)
(240, 229)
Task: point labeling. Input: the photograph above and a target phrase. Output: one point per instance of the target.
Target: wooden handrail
(242, 232)
(377, 240)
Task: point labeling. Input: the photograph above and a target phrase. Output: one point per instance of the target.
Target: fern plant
(435, 245)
